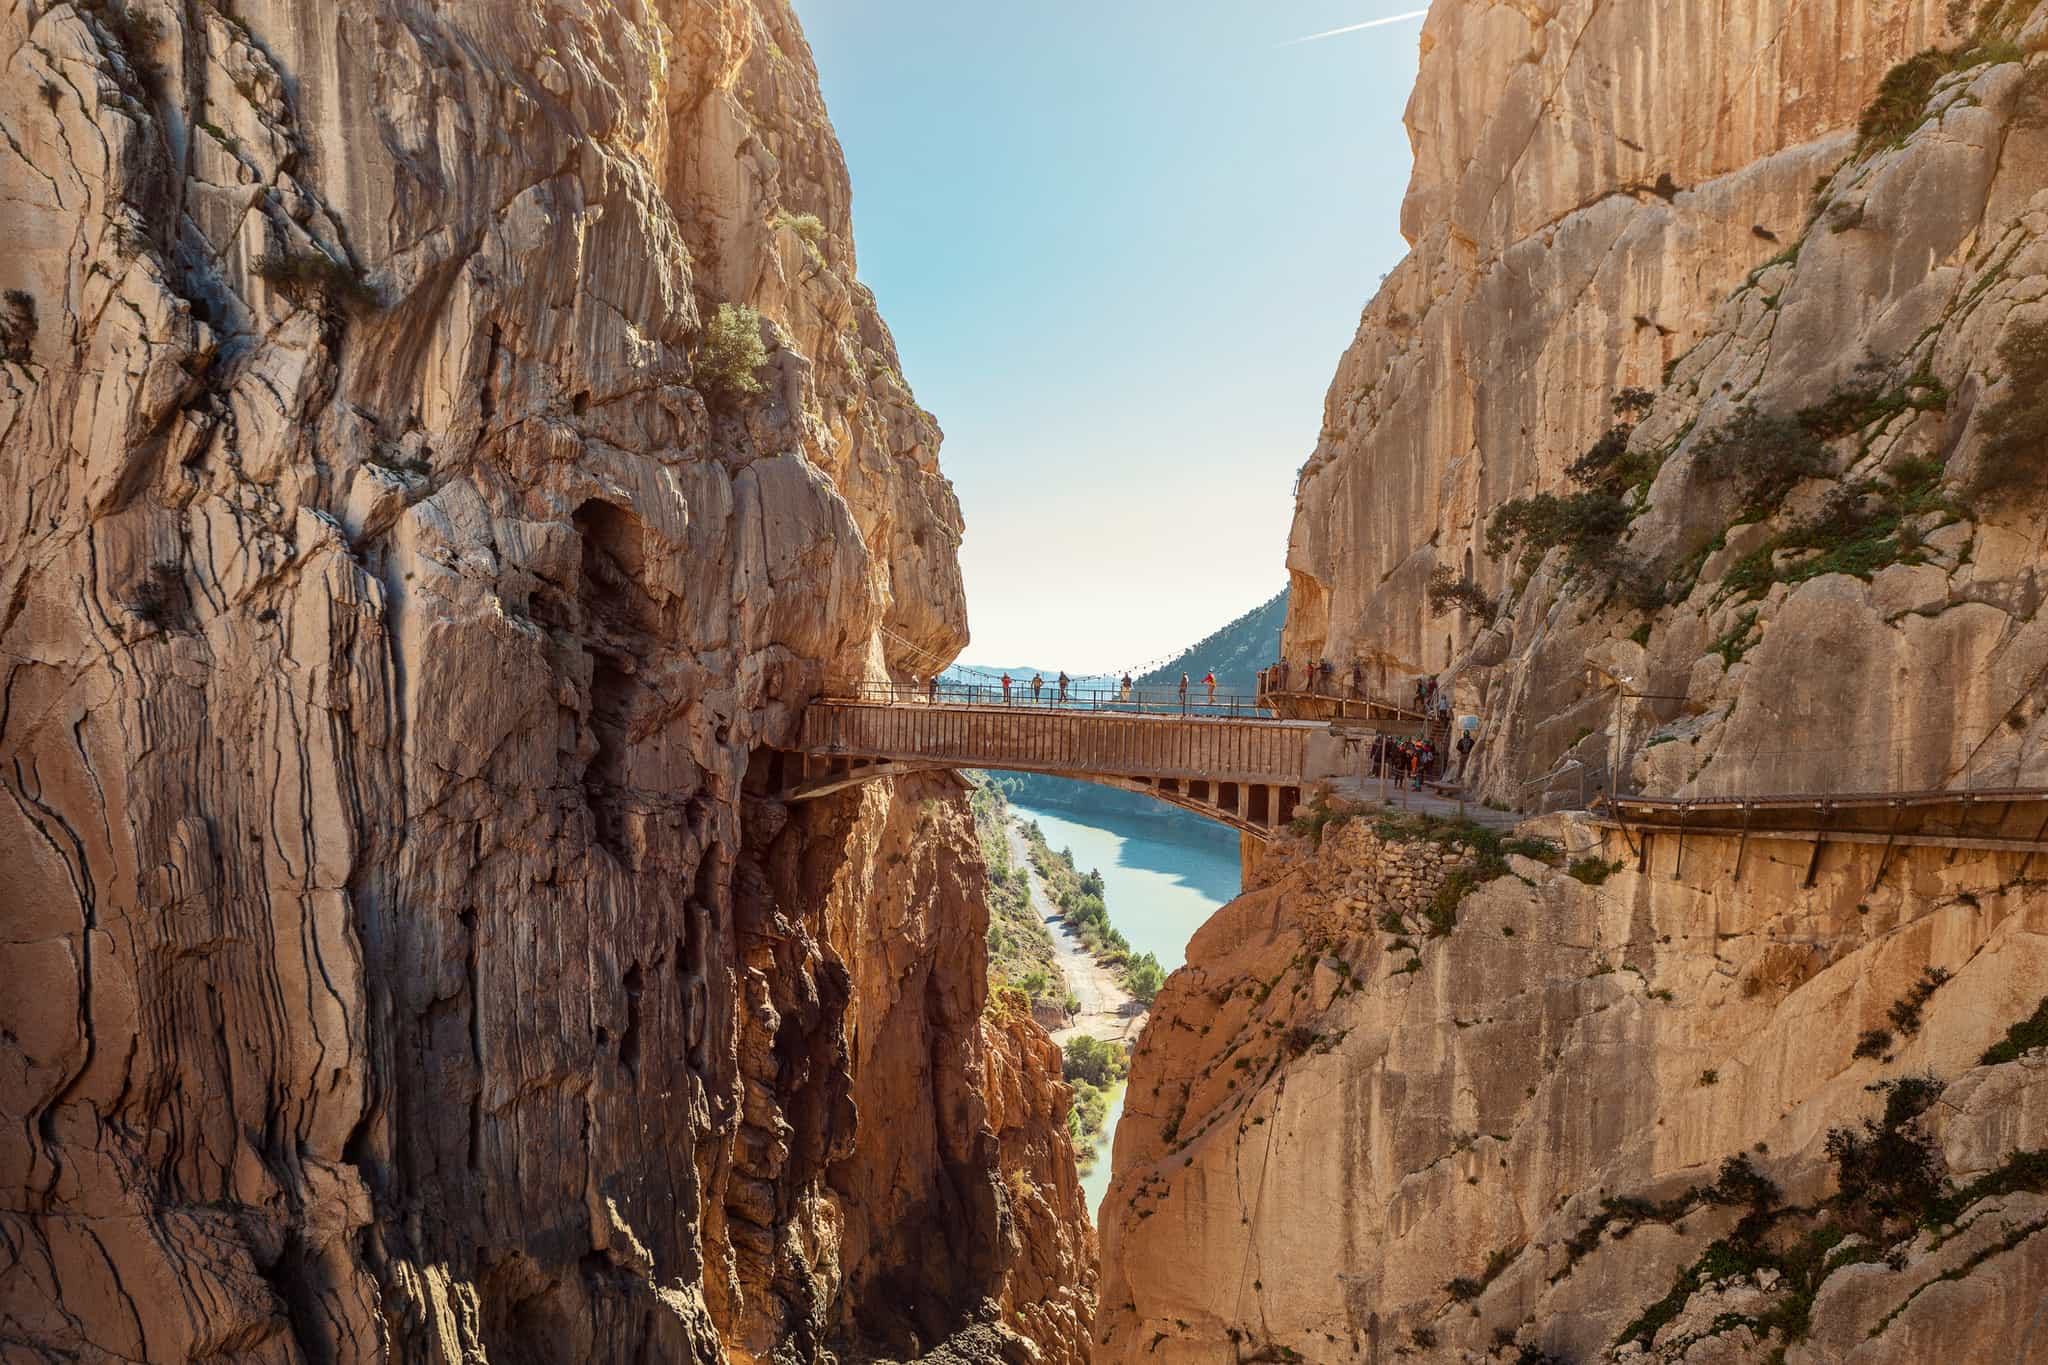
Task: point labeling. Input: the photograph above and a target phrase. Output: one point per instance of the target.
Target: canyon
(450, 446)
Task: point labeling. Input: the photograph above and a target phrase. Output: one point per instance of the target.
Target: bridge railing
(1308, 684)
(1050, 697)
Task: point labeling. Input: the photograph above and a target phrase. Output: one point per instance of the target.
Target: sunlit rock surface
(1679, 201)
(1349, 1136)
(392, 597)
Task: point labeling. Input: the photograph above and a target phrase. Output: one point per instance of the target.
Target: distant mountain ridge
(1235, 653)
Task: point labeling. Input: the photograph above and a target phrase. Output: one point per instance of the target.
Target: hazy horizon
(1122, 252)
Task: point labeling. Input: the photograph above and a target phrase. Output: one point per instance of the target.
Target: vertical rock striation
(395, 583)
(1798, 262)
(1358, 1130)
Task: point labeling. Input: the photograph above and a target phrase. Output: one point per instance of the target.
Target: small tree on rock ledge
(729, 353)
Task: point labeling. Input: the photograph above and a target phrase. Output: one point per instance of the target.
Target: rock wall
(398, 575)
(1680, 202)
(1358, 1136)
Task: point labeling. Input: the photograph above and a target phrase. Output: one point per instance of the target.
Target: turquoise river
(1162, 878)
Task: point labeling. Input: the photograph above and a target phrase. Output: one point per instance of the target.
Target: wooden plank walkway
(2003, 819)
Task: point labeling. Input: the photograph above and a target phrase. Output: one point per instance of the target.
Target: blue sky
(1122, 246)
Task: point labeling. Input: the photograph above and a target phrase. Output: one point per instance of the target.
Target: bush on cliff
(2025, 1036)
(1451, 591)
(311, 274)
(1765, 455)
(2015, 454)
(729, 353)
(17, 327)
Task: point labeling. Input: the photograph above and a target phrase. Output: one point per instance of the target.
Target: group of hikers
(1059, 691)
(1416, 761)
(1318, 677)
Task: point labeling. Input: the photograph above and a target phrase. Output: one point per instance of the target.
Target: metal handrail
(1915, 796)
(1196, 705)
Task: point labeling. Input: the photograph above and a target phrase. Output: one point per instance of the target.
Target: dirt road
(1105, 1009)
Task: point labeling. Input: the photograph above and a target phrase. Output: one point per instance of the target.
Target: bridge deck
(1217, 748)
(1247, 772)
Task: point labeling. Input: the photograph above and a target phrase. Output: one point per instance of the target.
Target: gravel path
(1106, 1009)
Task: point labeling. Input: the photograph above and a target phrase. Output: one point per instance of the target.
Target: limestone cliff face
(394, 589)
(1347, 1137)
(1680, 202)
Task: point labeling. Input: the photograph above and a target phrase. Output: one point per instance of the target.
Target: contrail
(1353, 28)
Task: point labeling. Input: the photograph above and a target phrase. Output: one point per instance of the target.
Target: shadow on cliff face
(869, 1057)
(620, 622)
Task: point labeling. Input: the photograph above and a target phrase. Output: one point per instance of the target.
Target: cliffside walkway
(1999, 819)
(1229, 761)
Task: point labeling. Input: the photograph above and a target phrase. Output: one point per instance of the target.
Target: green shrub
(1450, 591)
(1587, 524)
(729, 352)
(17, 326)
(1888, 1167)
(2015, 453)
(1901, 99)
(1765, 455)
(1873, 1043)
(1593, 870)
(1091, 1109)
(1143, 978)
(1095, 1061)
(2025, 1036)
(1905, 1011)
(1609, 466)
(313, 274)
(805, 225)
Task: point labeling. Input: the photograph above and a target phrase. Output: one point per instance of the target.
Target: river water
(1161, 881)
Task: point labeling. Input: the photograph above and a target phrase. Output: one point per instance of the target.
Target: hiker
(1209, 681)
(1421, 693)
(934, 685)
(1280, 671)
(1125, 694)
(913, 689)
(1037, 686)
(1006, 689)
(1183, 694)
(1415, 770)
(1429, 697)
(1328, 670)
(1465, 746)
(1063, 687)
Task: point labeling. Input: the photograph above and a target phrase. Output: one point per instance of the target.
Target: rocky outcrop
(1589, 1116)
(406, 552)
(1798, 289)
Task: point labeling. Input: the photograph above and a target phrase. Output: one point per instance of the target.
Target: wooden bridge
(1225, 762)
